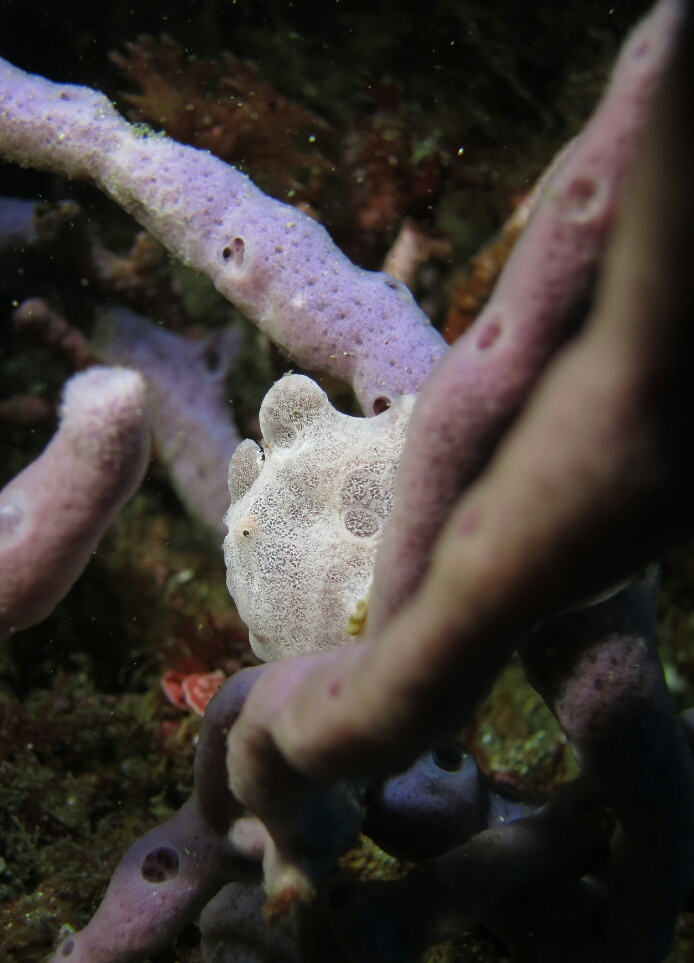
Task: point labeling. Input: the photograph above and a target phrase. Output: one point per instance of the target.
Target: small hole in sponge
(581, 191)
(489, 335)
(448, 756)
(160, 865)
(234, 251)
(380, 405)
(586, 200)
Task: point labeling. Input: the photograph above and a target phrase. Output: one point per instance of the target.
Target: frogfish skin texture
(308, 510)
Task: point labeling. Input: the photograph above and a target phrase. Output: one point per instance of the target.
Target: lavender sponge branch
(192, 422)
(543, 292)
(273, 262)
(53, 514)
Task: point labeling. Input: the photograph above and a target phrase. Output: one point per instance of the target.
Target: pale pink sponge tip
(104, 413)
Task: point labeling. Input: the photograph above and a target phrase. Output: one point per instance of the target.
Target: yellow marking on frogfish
(357, 620)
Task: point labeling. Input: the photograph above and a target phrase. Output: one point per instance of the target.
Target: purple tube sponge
(53, 514)
(474, 882)
(599, 671)
(165, 879)
(158, 888)
(17, 222)
(234, 929)
(439, 802)
(191, 416)
(541, 297)
(274, 262)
